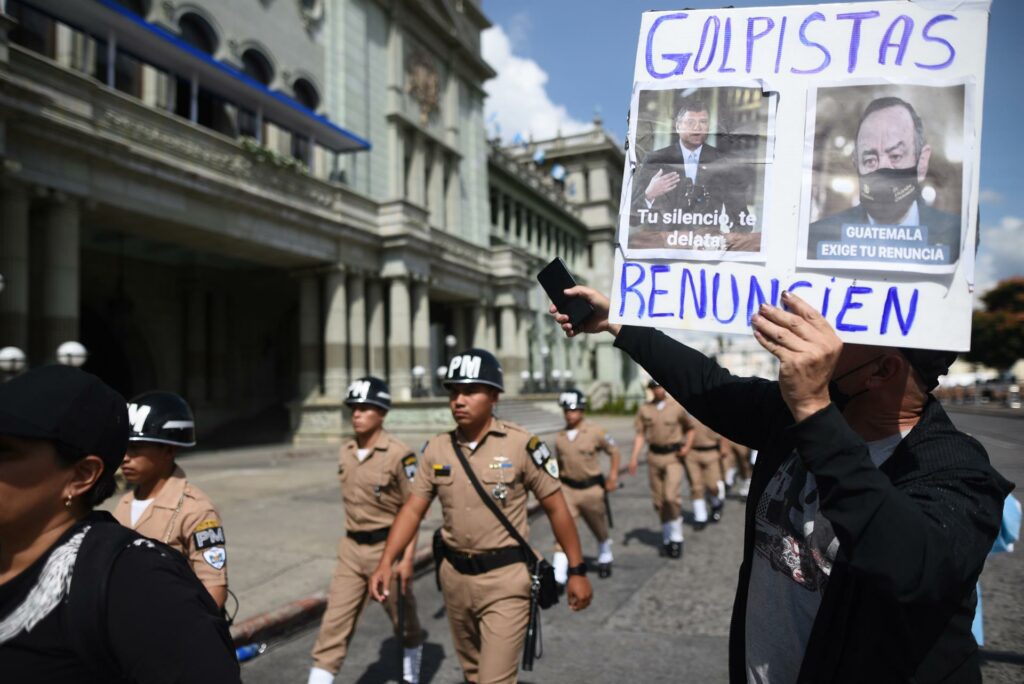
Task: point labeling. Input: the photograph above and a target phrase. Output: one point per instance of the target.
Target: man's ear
(893, 367)
(922, 163)
(84, 474)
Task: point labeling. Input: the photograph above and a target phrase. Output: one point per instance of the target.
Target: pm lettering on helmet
(568, 398)
(359, 389)
(137, 415)
(467, 366)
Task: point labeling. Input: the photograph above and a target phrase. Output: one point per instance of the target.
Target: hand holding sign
(807, 349)
(660, 184)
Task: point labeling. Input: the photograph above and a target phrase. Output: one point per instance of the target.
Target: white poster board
(831, 150)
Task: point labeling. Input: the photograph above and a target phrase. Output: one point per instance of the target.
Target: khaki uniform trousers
(488, 615)
(738, 457)
(665, 472)
(704, 469)
(348, 596)
(587, 504)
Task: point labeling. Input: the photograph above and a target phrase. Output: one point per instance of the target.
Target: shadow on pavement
(645, 536)
(388, 667)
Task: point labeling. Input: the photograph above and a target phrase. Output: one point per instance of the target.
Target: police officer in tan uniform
(164, 505)
(737, 466)
(376, 472)
(584, 485)
(704, 470)
(483, 574)
(667, 429)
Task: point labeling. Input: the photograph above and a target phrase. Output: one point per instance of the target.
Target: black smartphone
(555, 278)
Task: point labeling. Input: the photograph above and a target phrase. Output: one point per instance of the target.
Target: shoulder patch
(215, 557)
(409, 465)
(207, 534)
(538, 451)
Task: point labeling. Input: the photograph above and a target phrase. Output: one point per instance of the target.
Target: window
(198, 33)
(256, 66)
(306, 94)
(34, 30)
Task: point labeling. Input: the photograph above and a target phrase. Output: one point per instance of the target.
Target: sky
(561, 61)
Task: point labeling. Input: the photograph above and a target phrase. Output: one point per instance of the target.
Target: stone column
(60, 284)
(421, 325)
(219, 322)
(356, 326)
(310, 337)
(14, 267)
(335, 334)
(435, 192)
(400, 338)
(483, 328)
(522, 347)
(508, 346)
(453, 201)
(195, 345)
(417, 172)
(459, 328)
(375, 336)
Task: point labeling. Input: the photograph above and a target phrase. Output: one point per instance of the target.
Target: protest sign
(832, 150)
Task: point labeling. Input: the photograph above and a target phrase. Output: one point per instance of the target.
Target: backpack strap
(87, 599)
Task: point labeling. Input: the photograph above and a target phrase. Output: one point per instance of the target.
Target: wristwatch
(580, 569)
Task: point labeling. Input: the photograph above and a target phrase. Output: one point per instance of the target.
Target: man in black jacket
(870, 514)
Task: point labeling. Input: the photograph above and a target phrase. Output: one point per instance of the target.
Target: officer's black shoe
(675, 549)
(716, 512)
(560, 588)
(699, 525)
(604, 570)
(663, 551)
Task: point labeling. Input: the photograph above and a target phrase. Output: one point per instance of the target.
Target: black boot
(604, 570)
(716, 511)
(675, 549)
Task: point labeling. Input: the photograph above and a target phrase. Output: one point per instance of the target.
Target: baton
(401, 629)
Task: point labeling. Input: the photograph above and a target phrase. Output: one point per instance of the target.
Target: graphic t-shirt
(794, 549)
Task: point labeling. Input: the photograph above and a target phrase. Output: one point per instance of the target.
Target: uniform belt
(666, 448)
(479, 563)
(371, 537)
(584, 484)
(713, 447)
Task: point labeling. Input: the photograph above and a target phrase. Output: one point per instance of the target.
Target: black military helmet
(474, 366)
(161, 417)
(572, 400)
(369, 390)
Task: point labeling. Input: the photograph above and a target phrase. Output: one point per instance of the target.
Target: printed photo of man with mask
(904, 211)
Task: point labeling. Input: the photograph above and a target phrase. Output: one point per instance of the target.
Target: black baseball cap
(929, 364)
(69, 406)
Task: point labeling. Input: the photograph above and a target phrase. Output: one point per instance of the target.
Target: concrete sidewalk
(283, 519)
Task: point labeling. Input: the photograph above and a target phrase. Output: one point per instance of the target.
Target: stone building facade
(252, 202)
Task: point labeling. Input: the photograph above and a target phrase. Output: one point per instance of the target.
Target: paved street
(655, 619)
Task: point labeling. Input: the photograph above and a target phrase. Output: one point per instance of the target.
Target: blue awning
(166, 50)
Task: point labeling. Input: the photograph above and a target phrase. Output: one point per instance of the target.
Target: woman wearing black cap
(71, 578)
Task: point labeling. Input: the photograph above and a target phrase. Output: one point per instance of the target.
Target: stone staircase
(539, 415)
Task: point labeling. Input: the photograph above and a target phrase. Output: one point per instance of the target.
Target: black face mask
(887, 194)
(840, 398)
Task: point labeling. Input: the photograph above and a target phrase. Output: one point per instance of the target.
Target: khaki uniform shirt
(507, 455)
(578, 459)
(375, 489)
(185, 519)
(663, 426)
(705, 437)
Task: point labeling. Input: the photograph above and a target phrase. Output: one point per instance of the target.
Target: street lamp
(556, 376)
(525, 377)
(544, 353)
(449, 342)
(72, 354)
(567, 376)
(417, 380)
(442, 371)
(12, 360)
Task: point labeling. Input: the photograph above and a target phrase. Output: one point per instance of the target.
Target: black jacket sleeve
(921, 541)
(163, 627)
(749, 411)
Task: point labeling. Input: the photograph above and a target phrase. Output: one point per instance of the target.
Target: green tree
(997, 335)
